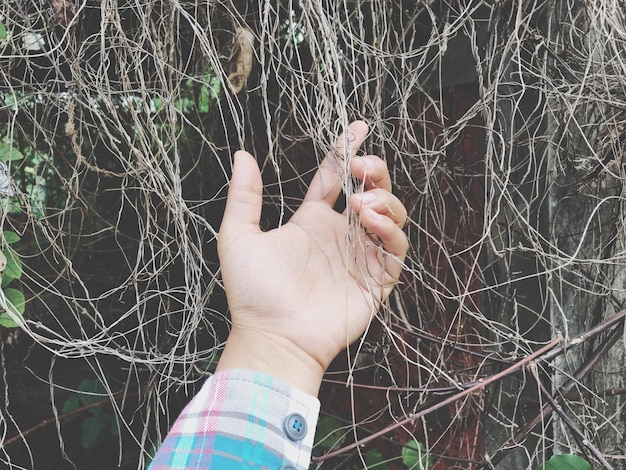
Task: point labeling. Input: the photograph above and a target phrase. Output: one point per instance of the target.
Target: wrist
(274, 355)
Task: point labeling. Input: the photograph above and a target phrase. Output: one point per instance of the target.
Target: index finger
(326, 185)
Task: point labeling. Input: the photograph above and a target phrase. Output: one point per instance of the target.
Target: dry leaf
(64, 11)
(241, 62)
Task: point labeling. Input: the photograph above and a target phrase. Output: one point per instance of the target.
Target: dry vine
(502, 123)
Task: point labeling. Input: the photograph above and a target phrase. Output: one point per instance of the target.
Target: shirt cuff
(244, 418)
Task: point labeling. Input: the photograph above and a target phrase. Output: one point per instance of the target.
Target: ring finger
(381, 202)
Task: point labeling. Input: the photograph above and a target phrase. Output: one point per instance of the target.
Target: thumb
(244, 201)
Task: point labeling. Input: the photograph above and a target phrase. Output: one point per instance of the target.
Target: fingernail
(366, 198)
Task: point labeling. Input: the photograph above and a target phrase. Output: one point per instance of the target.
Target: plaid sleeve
(236, 421)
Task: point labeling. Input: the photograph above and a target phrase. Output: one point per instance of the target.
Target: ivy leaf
(71, 404)
(9, 154)
(374, 459)
(3, 31)
(93, 429)
(7, 322)
(92, 391)
(415, 456)
(328, 433)
(204, 99)
(99, 423)
(112, 426)
(16, 303)
(565, 462)
(152, 450)
(17, 300)
(10, 237)
(12, 268)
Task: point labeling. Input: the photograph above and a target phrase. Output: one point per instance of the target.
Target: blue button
(295, 426)
(287, 467)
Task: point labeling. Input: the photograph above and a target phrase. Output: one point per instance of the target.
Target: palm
(309, 279)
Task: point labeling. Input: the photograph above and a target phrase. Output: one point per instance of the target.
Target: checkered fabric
(236, 422)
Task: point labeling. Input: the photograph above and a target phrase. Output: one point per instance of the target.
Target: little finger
(391, 237)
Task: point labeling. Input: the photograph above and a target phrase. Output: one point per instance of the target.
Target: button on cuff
(295, 426)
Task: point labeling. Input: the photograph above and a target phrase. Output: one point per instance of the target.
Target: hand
(301, 293)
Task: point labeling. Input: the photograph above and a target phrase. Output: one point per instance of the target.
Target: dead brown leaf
(241, 63)
(64, 11)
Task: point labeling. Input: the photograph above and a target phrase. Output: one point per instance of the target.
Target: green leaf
(10, 237)
(328, 433)
(93, 429)
(152, 450)
(12, 269)
(204, 99)
(210, 365)
(100, 421)
(112, 425)
(157, 103)
(8, 153)
(439, 419)
(565, 462)
(3, 31)
(415, 456)
(6, 321)
(71, 404)
(11, 205)
(374, 459)
(91, 391)
(16, 301)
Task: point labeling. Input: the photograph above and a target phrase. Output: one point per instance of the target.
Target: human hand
(301, 293)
